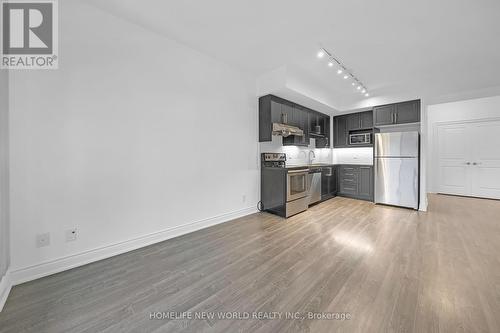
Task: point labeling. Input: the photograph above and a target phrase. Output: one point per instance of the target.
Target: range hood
(285, 130)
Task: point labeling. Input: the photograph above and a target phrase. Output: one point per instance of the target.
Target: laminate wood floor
(380, 269)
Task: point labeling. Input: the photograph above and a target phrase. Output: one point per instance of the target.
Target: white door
(485, 159)
(469, 159)
(453, 151)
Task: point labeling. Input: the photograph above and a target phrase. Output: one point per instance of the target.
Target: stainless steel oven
(296, 184)
(297, 191)
(360, 139)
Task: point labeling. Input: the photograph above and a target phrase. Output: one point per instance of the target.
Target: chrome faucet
(313, 154)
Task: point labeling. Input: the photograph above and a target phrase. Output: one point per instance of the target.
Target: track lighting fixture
(342, 69)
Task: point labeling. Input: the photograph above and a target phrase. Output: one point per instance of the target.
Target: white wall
(4, 175)
(135, 134)
(474, 109)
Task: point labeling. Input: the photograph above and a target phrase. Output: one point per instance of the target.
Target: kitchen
(374, 155)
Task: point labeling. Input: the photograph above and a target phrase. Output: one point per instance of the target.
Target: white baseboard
(25, 274)
(5, 287)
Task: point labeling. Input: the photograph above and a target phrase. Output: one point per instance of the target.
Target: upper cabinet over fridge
(397, 114)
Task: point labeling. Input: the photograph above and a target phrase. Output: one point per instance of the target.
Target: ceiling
(399, 49)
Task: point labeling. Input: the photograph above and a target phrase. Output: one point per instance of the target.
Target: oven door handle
(298, 171)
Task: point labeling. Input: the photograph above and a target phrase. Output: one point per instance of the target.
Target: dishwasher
(314, 185)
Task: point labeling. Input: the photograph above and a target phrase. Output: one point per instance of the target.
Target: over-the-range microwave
(360, 139)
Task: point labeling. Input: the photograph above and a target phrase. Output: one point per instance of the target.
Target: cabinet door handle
(467, 163)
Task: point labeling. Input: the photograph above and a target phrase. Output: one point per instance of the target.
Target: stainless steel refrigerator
(397, 169)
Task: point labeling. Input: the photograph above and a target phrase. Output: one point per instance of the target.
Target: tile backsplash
(300, 155)
(353, 156)
(295, 154)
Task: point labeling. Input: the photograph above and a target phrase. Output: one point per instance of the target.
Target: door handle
(298, 171)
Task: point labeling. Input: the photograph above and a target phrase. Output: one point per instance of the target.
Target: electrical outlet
(43, 240)
(71, 235)
(244, 198)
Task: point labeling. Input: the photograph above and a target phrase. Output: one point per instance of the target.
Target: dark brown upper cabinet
(319, 129)
(276, 114)
(360, 121)
(353, 122)
(340, 132)
(396, 114)
(324, 141)
(384, 115)
(345, 125)
(273, 109)
(316, 124)
(299, 118)
(408, 112)
(366, 120)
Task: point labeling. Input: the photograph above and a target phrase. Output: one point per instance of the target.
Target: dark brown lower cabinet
(328, 182)
(365, 184)
(355, 181)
